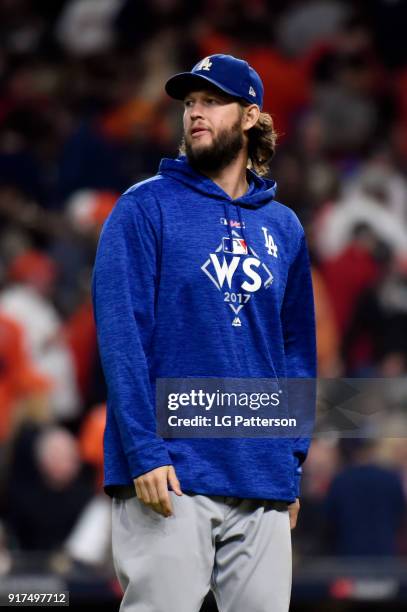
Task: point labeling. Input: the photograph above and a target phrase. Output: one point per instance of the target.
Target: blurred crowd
(83, 115)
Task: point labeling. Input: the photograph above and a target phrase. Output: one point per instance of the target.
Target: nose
(196, 111)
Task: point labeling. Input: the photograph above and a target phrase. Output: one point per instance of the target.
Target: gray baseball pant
(239, 548)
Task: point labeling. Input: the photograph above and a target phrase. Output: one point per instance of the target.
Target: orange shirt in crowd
(80, 334)
(18, 376)
(91, 439)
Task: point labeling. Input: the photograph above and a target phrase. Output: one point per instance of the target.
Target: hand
(152, 488)
(293, 510)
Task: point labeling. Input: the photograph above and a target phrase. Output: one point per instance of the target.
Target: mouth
(198, 131)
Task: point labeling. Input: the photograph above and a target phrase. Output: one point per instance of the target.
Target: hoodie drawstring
(229, 229)
(226, 208)
(239, 214)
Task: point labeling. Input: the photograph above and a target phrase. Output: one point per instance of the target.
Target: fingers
(144, 494)
(164, 497)
(151, 489)
(173, 480)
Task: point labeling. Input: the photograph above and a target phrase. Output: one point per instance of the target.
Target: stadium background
(83, 115)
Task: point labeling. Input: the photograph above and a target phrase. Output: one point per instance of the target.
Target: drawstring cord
(226, 206)
(239, 214)
(227, 218)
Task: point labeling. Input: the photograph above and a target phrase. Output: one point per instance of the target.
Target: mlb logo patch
(238, 247)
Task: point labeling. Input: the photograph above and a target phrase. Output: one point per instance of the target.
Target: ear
(250, 116)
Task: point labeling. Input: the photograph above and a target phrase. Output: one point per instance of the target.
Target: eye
(187, 103)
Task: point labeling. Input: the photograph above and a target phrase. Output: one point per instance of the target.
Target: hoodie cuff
(297, 484)
(149, 457)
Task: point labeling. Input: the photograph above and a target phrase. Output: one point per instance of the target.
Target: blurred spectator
(347, 274)
(365, 505)
(43, 511)
(88, 209)
(86, 26)
(321, 467)
(27, 301)
(381, 315)
(380, 173)
(20, 382)
(368, 206)
(308, 22)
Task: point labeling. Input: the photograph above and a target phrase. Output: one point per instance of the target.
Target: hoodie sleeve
(298, 321)
(123, 291)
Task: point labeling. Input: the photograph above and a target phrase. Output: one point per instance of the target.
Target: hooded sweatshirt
(171, 254)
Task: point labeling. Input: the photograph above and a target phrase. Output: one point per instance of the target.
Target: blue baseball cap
(232, 75)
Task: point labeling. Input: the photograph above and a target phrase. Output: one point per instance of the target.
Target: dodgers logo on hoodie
(230, 256)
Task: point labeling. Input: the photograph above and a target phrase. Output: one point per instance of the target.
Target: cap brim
(181, 84)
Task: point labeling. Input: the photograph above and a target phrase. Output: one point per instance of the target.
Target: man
(201, 273)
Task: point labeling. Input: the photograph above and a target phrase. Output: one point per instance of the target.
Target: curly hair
(262, 144)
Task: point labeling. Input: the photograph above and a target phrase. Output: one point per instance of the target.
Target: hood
(260, 193)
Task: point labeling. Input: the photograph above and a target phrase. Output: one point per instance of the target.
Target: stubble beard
(223, 150)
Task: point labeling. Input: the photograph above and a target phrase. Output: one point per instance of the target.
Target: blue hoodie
(160, 286)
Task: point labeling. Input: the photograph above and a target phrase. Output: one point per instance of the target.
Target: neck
(232, 179)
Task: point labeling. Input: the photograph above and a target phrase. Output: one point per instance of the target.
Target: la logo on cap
(205, 64)
(252, 92)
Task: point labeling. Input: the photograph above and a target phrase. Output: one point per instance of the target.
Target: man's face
(213, 131)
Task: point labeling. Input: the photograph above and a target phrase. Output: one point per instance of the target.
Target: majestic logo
(252, 92)
(205, 64)
(232, 223)
(269, 243)
(220, 268)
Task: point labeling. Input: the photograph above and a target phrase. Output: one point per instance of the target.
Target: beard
(224, 149)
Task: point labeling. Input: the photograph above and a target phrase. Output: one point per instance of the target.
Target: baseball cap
(31, 267)
(232, 75)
